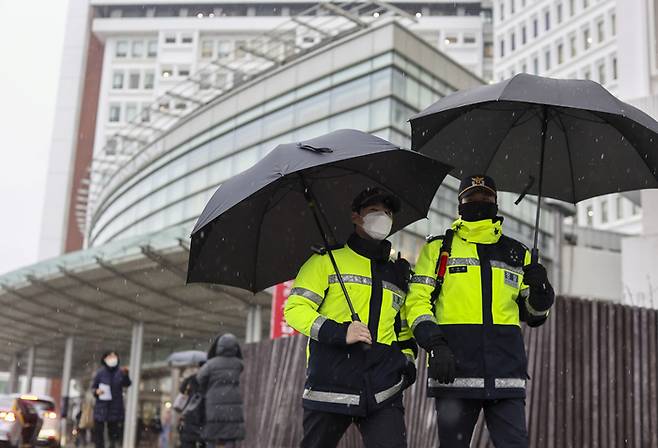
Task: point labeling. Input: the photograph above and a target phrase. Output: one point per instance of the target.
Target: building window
(547, 20)
(138, 49)
(572, 7)
(133, 81)
(145, 114)
(204, 81)
(170, 39)
(239, 49)
(558, 12)
(115, 113)
(180, 106)
(121, 49)
(585, 4)
(560, 53)
(488, 50)
(450, 40)
(149, 80)
(223, 49)
(601, 69)
(573, 45)
(535, 27)
(512, 8)
(524, 37)
(600, 30)
(502, 10)
(167, 72)
(547, 60)
(614, 67)
(187, 39)
(524, 68)
(502, 48)
(152, 48)
(131, 111)
(613, 23)
(589, 215)
(604, 211)
(117, 80)
(587, 39)
(535, 65)
(587, 74)
(513, 42)
(207, 48)
(636, 209)
(619, 209)
(183, 72)
(470, 39)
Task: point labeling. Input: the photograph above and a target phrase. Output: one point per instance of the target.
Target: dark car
(45, 406)
(20, 422)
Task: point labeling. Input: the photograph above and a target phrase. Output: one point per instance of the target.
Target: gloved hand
(441, 363)
(409, 373)
(402, 273)
(535, 276)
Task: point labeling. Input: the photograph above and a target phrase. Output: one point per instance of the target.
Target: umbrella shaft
(544, 126)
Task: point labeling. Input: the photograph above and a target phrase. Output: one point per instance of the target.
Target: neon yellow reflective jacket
(348, 379)
(479, 309)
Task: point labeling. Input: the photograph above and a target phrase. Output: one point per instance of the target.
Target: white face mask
(377, 225)
(111, 362)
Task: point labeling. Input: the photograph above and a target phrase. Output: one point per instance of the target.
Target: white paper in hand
(106, 392)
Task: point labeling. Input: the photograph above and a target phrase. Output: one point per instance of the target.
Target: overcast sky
(31, 38)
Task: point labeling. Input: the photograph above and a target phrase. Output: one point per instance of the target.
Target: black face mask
(477, 211)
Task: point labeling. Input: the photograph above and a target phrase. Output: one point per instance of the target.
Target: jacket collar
(486, 231)
(372, 249)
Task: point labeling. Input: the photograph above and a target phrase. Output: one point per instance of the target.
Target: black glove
(409, 373)
(402, 273)
(534, 275)
(541, 292)
(441, 363)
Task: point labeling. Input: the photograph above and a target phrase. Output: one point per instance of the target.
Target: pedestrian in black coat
(219, 382)
(108, 385)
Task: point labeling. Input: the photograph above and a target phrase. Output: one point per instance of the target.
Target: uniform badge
(511, 279)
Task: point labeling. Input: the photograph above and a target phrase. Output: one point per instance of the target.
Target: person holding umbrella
(471, 289)
(357, 370)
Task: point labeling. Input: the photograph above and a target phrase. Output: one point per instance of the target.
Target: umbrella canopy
(566, 139)
(258, 229)
(186, 358)
(595, 144)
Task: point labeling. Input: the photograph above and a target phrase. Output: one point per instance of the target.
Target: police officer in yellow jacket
(472, 331)
(356, 370)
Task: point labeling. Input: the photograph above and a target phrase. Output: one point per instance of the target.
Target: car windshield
(42, 406)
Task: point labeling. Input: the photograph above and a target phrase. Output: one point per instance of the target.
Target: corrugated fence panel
(594, 383)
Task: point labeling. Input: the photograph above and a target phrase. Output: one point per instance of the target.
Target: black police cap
(481, 181)
(374, 195)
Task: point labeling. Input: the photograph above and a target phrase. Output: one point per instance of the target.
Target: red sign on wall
(278, 326)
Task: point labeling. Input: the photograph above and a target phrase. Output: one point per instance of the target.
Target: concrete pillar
(29, 374)
(66, 385)
(558, 232)
(254, 328)
(12, 385)
(132, 397)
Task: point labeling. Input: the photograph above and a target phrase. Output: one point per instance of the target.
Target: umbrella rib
(566, 138)
(494, 152)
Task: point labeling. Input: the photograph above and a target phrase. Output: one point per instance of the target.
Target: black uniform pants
(114, 433)
(505, 419)
(382, 429)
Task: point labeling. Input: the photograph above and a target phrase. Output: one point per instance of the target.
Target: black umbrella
(259, 227)
(575, 137)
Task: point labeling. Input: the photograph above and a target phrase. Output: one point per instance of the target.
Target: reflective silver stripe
(315, 327)
(510, 383)
(307, 294)
(463, 261)
(423, 318)
(410, 358)
(331, 397)
(534, 312)
(394, 289)
(472, 383)
(388, 393)
(423, 280)
(351, 278)
(404, 324)
(507, 267)
(525, 293)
